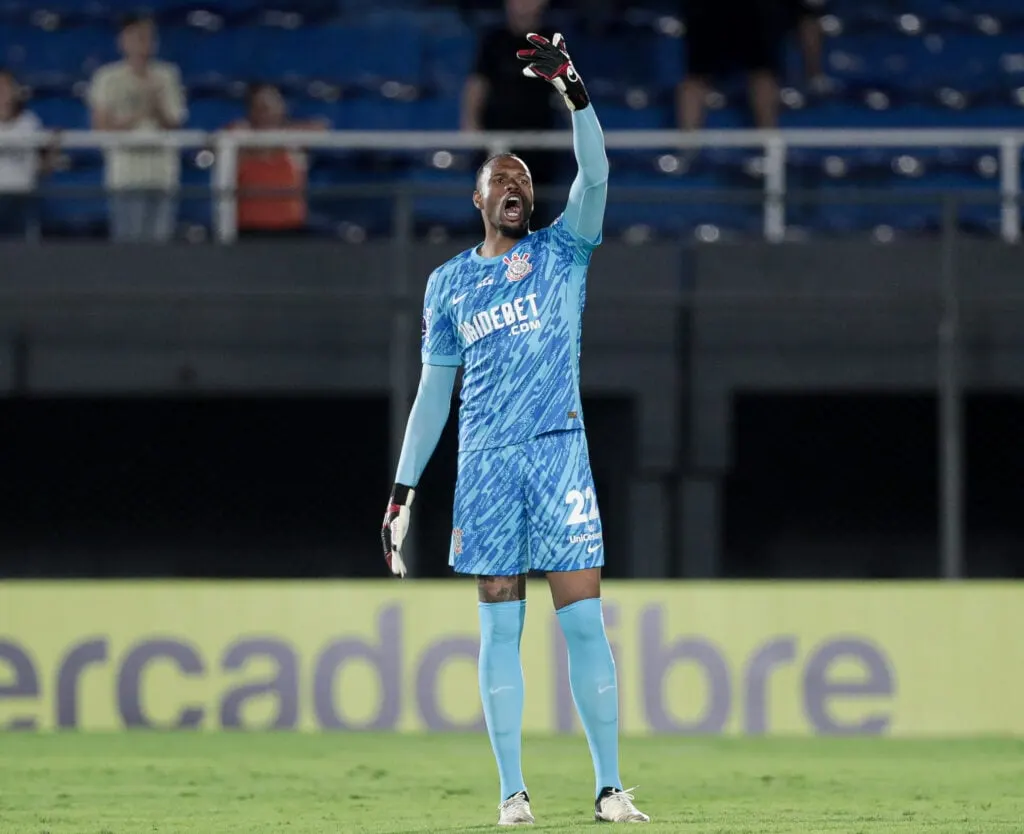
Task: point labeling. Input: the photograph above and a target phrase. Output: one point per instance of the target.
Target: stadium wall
(675, 337)
(677, 333)
(745, 659)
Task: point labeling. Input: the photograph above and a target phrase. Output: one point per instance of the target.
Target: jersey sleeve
(584, 212)
(563, 235)
(439, 344)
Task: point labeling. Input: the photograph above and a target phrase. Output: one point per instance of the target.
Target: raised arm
(550, 61)
(584, 213)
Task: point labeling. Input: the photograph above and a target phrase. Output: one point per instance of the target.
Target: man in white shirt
(143, 95)
(19, 167)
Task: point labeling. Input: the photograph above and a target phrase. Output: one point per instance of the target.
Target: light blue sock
(501, 688)
(594, 686)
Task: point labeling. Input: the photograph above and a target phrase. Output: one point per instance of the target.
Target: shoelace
(515, 799)
(626, 794)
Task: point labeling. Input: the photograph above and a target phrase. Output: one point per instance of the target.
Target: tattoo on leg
(501, 588)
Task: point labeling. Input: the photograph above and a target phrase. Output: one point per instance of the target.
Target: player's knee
(499, 622)
(582, 621)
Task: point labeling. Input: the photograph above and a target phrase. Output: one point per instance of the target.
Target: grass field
(221, 784)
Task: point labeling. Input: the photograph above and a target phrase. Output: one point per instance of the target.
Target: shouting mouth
(512, 210)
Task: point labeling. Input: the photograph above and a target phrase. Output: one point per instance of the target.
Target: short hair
(254, 88)
(131, 19)
(19, 91)
(494, 157)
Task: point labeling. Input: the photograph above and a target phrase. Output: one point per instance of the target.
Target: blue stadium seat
(617, 63)
(63, 113)
(82, 210)
(285, 55)
(437, 113)
(914, 173)
(208, 59)
(454, 212)
(368, 56)
(214, 113)
(62, 56)
(306, 107)
(373, 113)
(329, 211)
(448, 61)
(996, 8)
(964, 62)
(401, 64)
(838, 114)
(620, 117)
(195, 207)
(669, 60)
(672, 216)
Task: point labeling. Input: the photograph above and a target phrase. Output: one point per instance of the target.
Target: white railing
(775, 145)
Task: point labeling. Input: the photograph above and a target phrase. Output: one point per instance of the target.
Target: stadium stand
(400, 64)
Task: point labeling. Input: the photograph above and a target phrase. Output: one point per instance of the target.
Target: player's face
(504, 196)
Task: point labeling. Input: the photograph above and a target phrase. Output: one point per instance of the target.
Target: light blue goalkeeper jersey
(513, 323)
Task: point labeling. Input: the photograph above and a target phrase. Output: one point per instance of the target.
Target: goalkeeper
(509, 312)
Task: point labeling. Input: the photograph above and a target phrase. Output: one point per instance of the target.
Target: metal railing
(775, 146)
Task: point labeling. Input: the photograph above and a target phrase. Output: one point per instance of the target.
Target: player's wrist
(402, 495)
(576, 96)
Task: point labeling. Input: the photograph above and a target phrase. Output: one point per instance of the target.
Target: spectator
(139, 94)
(522, 103)
(739, 36)
(802, 16)
(271, 181)
(19, 167)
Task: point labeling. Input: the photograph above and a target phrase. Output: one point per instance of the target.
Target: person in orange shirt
(271, 181)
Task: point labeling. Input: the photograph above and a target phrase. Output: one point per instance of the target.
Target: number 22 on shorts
(581, 501)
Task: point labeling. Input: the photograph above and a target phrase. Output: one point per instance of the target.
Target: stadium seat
(333, 212)
(401, 65)
(448, 61)
(455, 211)
(61, 57)
(73, 203)
(437, 113)
(653, 200)
(61, 112)
(214, 113)
(195, 207)
(207, 60)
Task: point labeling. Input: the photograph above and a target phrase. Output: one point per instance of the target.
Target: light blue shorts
(527, 507)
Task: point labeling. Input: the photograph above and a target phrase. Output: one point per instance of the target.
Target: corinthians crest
(518, 266)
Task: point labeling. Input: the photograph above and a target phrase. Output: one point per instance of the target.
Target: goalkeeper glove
(550, 60)
(396, 525)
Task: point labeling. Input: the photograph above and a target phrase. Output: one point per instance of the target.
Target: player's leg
(502, 616)
(592, 677)
(488, 541)
(566, 540)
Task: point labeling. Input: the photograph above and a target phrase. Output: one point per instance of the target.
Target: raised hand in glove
(396, 525)
(550, 60)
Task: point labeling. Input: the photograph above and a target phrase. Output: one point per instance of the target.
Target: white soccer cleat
(614, 805)
(515, 810)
